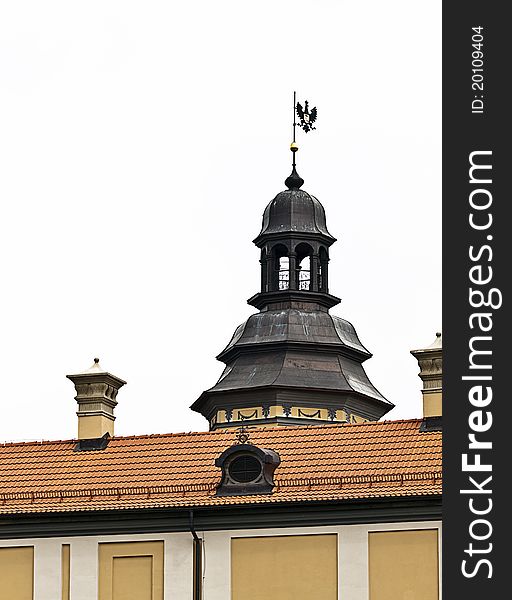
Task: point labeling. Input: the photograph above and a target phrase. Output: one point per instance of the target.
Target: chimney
(96, 392)
(430, 360)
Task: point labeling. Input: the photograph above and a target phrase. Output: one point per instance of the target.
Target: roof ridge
(220, 432)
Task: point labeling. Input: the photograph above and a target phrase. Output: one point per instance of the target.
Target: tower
(293, 362)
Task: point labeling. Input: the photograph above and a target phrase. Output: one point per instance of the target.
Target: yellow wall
(65, 570)
(16, 573)
(131, 571)
(403, 565)
(295, 567)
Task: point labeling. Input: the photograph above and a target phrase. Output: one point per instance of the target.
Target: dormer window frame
(263, 480)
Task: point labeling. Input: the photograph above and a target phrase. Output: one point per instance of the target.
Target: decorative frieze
(281, 413)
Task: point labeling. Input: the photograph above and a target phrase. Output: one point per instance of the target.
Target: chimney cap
(437, 344)
(96, 369)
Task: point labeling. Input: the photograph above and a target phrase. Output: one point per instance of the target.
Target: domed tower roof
(295, 212)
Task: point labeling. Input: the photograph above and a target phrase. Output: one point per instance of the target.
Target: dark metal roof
(295, 325)
(294, 348)
(295, 369)
(294, 211)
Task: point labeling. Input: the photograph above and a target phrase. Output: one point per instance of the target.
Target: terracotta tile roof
(327, 462)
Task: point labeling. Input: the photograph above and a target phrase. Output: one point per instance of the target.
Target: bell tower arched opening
(280, 268)
(304, 273)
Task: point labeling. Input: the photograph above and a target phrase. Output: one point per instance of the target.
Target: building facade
(298, 490)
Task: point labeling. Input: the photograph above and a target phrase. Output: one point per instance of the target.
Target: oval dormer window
(245, 468)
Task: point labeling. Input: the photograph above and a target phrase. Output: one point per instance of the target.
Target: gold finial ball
(294, 147)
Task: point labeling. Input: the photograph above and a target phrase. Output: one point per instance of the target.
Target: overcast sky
(139, 145)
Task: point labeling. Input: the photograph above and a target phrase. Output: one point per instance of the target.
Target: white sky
(140, 143)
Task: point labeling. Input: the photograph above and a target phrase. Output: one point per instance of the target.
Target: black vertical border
(463, 133)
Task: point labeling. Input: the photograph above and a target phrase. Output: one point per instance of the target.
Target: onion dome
(294, 212)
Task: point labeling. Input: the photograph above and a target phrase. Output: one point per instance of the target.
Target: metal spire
(294, 181)
(307, 118)
(293, 145)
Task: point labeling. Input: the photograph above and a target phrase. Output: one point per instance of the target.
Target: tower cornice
(233, 352)
(264, 299)
(296, 236)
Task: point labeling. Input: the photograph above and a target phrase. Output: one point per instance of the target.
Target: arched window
(304, 252)
(281, 270)
(305, 274)
(284, 273)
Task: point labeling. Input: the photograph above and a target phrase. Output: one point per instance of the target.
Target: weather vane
(306, 119)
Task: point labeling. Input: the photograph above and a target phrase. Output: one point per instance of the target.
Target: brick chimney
(430, 360)
(96, 392)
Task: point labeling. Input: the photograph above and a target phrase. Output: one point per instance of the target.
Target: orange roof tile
(318, 463)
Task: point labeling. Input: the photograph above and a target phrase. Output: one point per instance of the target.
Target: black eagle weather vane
(306, 119)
